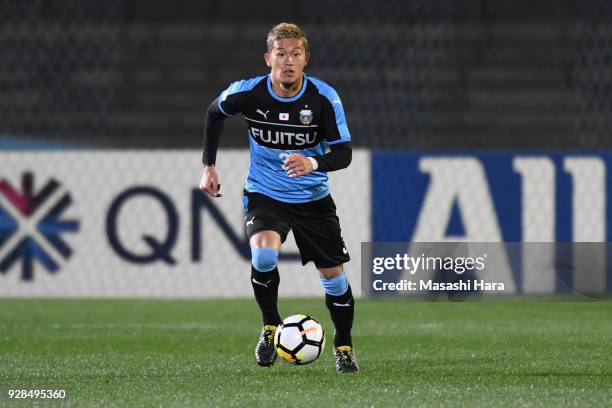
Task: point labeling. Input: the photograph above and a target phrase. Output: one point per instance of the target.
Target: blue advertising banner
(497, 197)
(565, 196)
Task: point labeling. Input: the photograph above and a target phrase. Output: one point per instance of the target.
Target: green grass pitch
(200, 353)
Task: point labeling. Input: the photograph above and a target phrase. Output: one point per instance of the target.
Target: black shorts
(315, 226)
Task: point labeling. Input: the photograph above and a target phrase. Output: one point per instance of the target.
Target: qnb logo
(31, 226)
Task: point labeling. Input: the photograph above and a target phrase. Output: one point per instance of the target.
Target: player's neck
(287, 91)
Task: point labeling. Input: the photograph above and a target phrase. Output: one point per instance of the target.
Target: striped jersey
(306, 123)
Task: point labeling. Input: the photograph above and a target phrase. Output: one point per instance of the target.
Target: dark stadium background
(421, 74)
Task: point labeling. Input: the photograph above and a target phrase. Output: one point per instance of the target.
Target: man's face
(287, 60)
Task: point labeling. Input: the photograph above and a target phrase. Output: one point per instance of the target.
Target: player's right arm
(229, 103)
(213, 127)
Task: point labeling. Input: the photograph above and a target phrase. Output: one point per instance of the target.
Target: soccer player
(297, 133)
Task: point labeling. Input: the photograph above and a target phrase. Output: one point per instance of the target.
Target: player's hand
(209, 183)
(297, 165)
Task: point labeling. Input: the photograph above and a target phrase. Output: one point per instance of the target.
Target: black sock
(342, 309)
(265, 287)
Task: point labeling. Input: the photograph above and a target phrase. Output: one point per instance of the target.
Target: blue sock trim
(264, 259)
(336, 286)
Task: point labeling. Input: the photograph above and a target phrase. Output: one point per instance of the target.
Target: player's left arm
(333, 125)
(339, 157)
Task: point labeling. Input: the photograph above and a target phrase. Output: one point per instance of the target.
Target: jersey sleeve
(339, 157)
(232, 100)
(213, 127)
(335, 129)
(229, 101)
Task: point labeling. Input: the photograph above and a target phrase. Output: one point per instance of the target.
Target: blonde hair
(286, 30)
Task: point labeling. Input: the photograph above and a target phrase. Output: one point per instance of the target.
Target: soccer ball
(299, 339)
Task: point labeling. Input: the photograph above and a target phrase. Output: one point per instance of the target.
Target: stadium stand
(435, 75)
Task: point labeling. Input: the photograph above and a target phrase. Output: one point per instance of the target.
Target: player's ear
(307, 58)
(267, 59)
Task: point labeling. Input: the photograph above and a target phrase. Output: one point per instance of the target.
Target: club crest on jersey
(306, 116)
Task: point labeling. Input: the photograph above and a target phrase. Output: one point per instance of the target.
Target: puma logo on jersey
(265, 115)
(250, 222)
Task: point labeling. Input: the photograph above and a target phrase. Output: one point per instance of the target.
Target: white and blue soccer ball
(299, 339)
